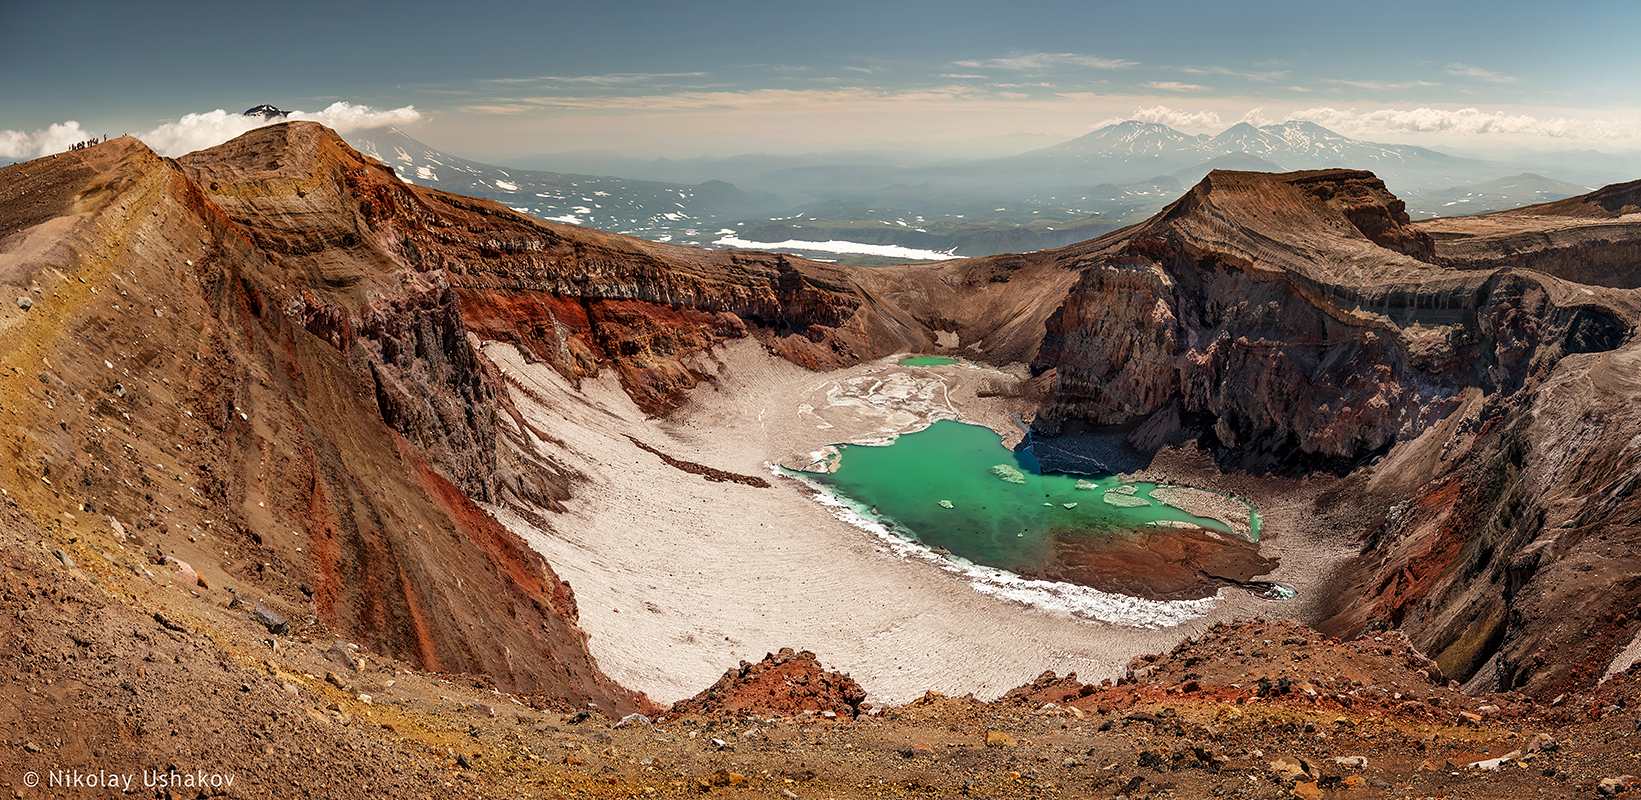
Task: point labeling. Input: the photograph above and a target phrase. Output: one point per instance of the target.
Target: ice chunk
(1008, 473)
(1124, 497)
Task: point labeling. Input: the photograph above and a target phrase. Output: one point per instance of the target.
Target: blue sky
(684, 79)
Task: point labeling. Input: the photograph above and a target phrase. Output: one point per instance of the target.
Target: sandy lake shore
(679, 578)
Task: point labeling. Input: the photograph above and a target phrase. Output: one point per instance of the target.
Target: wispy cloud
(1176, 86)
(201, 130)
(612, 79)
(1383, 86)
(1465, 71)
(1263, 77)
(1037, 62)
(796, 99)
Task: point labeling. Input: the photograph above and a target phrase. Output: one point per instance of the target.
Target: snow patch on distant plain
(511, 187)
(837, 246)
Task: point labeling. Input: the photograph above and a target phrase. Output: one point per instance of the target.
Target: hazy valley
(1039, 199)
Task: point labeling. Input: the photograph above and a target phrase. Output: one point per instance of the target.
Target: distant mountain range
(1497, 195)
(1299, 144)
(1132, 151)
(1037, 199)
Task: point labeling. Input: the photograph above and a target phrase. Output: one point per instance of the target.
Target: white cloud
(1172, 117)
(348, 118)
(1046, 61)
(55, 139)
(1465, 121)
(1175, 86)
(1256, 117)
(198, 131)
(1465, 71)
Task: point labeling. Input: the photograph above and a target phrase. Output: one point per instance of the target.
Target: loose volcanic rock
(787, 682)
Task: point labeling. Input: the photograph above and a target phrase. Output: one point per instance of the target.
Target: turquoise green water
(926, 361)
(955, 486)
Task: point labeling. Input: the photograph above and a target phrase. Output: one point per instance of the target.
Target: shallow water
(955, 486)
(926, 361)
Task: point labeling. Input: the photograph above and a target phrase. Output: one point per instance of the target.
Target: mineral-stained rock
(996, 738)
(312, 396)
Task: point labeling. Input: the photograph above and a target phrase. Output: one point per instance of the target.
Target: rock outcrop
(782, 683)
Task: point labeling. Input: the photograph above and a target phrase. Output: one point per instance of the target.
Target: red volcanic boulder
(1048, 688)
(782, 683)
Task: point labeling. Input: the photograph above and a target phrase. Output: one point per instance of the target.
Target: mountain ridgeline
(1040, 199)
(282, 335)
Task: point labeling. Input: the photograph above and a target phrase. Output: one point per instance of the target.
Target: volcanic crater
(292, 440)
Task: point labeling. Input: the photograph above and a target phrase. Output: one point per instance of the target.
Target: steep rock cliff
(1294, 322)
(175, 390)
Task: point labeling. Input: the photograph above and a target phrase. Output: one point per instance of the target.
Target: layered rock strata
(281, 407)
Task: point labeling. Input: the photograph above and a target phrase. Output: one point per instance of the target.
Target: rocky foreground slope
(246, 417)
